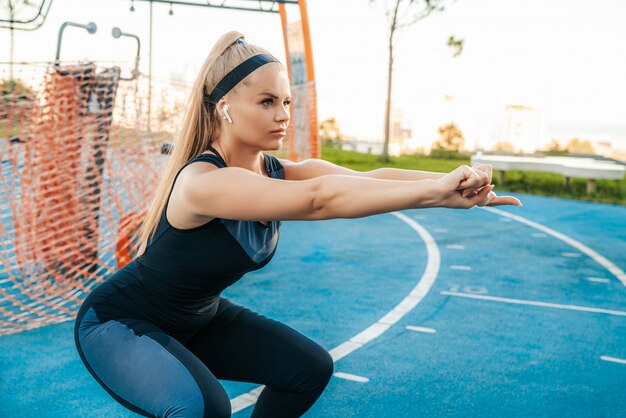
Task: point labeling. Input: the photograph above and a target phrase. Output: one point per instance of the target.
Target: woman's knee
(216, 402)
(326, 365)
(319, 367)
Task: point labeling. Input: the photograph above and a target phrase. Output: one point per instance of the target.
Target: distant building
(520, 127)
(351, 143)
(603, 147)
(399, 137)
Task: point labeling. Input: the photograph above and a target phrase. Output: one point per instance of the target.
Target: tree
(450, 143)
(457, 44)
(396, 19)
(504, 146)
(555, 148)
(577, 145)
(451, 138)
(16, 101)
(329, 129)
(554, 145)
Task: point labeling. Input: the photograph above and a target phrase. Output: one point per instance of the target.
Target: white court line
(353, 377)
(598, 279)
(574, 255)
(535, 303)
(460, 267)
(616, 271)
(407, 304)
(455, 246)
(421, 329)
(613, 359)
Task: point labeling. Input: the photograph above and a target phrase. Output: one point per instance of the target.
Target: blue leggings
(155, 375)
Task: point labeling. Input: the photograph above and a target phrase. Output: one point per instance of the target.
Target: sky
(564, 58)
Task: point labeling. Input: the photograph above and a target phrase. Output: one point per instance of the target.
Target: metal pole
(11, 60)
(91, 28)
(150, 74)
(11, 13)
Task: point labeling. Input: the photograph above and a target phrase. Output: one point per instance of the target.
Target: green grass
(531, 182)
(366, 162)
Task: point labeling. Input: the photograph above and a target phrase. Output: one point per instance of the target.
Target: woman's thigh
(242, 345)
(146, 370)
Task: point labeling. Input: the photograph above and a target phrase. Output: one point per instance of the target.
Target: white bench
(588, 168)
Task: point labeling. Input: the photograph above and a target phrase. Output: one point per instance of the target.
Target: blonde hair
(200, 124)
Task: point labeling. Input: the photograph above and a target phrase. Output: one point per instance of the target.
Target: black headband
(236, 75)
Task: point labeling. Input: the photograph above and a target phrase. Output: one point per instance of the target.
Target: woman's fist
(466, 187)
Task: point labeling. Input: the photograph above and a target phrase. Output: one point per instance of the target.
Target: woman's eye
(287, 102)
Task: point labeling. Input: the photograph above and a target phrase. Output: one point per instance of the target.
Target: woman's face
(260, 107)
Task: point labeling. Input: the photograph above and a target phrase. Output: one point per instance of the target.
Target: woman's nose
(283, 115)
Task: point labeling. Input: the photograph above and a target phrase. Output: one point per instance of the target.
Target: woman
(157, 335)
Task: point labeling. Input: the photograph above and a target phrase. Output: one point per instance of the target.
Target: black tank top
(177, 281)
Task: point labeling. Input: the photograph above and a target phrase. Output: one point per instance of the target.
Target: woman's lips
(280, 132)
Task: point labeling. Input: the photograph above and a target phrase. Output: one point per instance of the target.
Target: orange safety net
(74, 187)
(80, 161)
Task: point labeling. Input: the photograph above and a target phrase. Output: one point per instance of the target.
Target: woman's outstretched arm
(237, 193)
(315, 167)
(388, 173)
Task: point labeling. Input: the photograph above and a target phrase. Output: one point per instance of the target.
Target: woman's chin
(277, 143)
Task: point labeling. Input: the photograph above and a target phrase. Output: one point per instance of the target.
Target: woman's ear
(226, 115)
(222, 107)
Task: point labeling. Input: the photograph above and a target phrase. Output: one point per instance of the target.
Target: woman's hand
(466, 187)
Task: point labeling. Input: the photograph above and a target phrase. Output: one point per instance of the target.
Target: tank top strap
(217, 155)
(273, 166)
(218, 161)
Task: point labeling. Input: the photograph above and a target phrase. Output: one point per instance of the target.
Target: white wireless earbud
(225, 109)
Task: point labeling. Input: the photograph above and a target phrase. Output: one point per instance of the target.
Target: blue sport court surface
(487, 312)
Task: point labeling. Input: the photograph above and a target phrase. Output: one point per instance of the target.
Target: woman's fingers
(504, 200)
(475, 188)
(487, 197)
(469, 178)
(482, 197)
(474, 179)
(485, 168)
